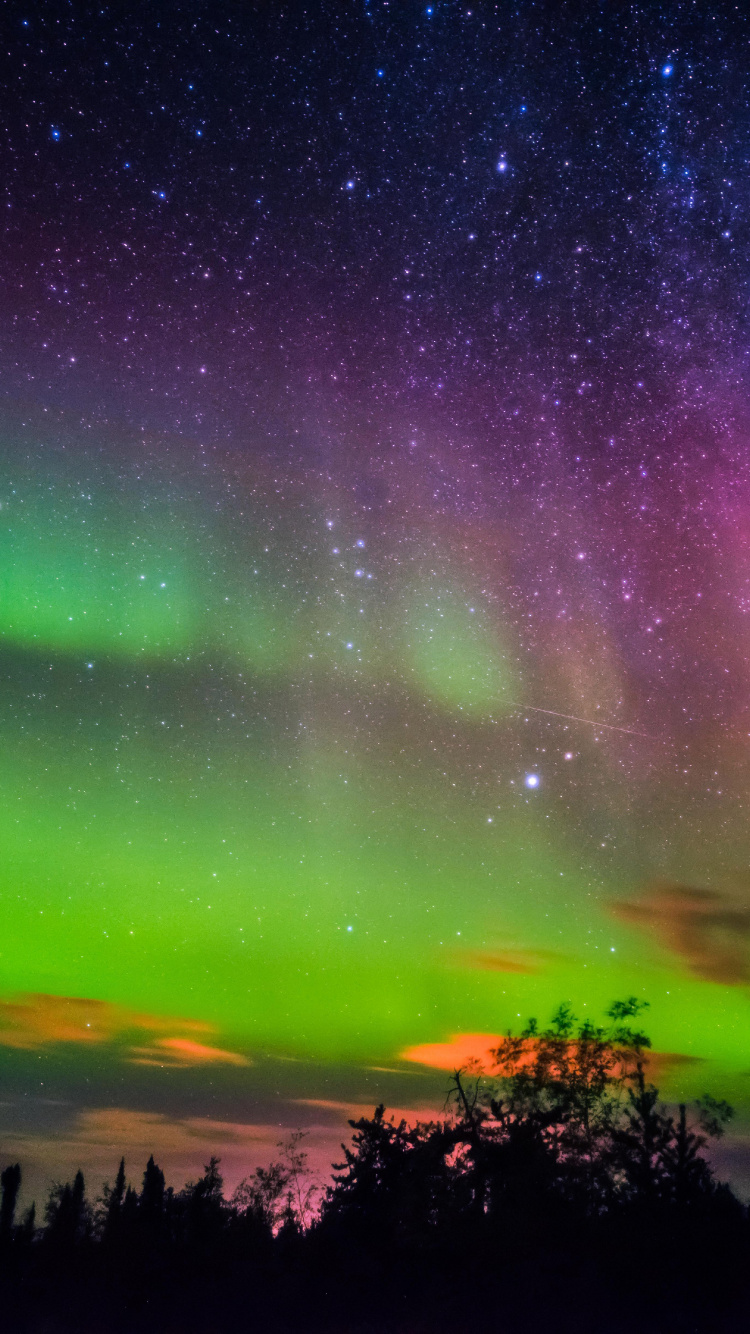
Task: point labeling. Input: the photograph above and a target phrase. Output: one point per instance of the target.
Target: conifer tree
(10, 1183)
(151, 1200)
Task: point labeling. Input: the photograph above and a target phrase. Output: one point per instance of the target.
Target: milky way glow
(374, 566)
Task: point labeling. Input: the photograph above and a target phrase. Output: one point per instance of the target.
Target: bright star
(532, 780)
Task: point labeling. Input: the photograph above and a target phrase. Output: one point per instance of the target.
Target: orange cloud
(35, 1020)
(708, 930)
(458, 1051)
(184, 1052)
(478, 1048)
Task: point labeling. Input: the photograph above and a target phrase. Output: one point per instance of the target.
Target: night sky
(374, 557)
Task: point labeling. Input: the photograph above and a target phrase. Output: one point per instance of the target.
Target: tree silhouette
(10, 1184)
(395, 1182)
(68, 1215)
(661, 1158)
(641, 1141)
(552, 1178)
(561, 1089)
(261, 1198)
(113, 1199)
(151, 1199)
(689, 1175)
(202, 1210)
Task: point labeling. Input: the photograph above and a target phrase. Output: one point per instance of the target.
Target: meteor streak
(573, 718)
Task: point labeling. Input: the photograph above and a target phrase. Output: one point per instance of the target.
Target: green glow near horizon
(226, 745)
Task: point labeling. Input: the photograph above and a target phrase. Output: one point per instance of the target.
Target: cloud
(707, 929)
(150, 1131)
(477, 1049)
(338, 1112)
(667, 1066)
(505, 961)
(97, 1137)
(460, 1050)
(36, 1020)
(183, 1052)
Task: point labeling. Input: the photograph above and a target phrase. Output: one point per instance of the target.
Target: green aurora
(263, 767)
(265, 808)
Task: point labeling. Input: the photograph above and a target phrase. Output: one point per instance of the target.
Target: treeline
(559, 1190)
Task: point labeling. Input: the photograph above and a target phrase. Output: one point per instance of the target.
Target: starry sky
(374, 557)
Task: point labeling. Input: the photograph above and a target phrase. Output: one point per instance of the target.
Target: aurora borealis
(374, 558)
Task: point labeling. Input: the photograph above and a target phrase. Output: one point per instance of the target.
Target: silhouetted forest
(558, 1193)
